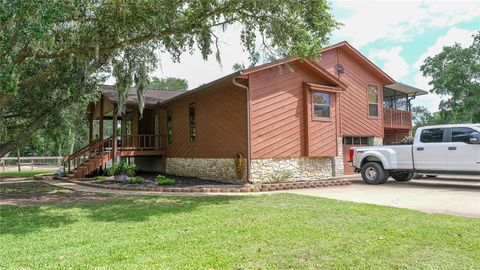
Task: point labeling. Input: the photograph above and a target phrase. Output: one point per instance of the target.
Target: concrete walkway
(455, 195)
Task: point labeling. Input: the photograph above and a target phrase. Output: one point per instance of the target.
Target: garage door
(350, 142)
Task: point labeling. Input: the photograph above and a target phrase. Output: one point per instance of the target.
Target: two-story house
(288, 120)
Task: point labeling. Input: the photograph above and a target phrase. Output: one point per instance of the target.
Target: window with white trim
(321, 105)
(372, 93)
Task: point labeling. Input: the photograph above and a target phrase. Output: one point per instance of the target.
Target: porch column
(90, 127)
(100, 124)
(114, 126)
(135, 139)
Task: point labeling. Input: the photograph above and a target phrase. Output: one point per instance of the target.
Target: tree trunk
(72, 147)
(18, 160)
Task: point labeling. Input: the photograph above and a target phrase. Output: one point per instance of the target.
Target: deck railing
(141, 142)
(90, 150)
(397, 119)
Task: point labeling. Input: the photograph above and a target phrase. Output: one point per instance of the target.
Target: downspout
(247, 103)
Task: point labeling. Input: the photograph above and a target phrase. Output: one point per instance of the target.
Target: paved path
(456, 195)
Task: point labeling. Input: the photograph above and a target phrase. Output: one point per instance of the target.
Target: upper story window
(372, 93)
(169, 127)
(432, 135)
(321, 105)
(191, 122)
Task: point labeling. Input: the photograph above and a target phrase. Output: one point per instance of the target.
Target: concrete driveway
(456, 195)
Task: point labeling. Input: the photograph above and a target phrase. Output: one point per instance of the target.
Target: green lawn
(24, 173)
(250, 232)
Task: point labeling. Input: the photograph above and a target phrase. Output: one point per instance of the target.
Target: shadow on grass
(23, 219)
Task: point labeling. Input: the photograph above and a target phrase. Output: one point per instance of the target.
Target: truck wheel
(373, 173)
(402, 176)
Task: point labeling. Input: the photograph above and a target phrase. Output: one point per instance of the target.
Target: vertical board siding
(353, 102)
(277, 114)
(221, 123)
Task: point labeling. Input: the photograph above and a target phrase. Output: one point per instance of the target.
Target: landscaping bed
(149, 181)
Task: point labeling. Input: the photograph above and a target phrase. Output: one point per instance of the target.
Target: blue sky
(395, 35)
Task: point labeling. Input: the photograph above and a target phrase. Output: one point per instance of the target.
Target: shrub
(135, 180)
(101, 178)
(164, 181)
(122, 168)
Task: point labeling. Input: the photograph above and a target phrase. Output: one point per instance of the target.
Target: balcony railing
(145, 142)
(397, 119)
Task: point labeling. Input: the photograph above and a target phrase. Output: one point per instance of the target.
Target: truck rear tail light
(350, 154)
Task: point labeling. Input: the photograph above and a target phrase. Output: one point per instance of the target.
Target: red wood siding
(353, 102)
(220, 122)
(277, 114)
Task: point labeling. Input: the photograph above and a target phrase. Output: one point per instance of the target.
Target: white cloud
(394, 64)
(370, 21)
(454, 35)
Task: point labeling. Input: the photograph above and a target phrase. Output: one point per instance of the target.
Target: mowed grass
(280, 231)
(24, 173)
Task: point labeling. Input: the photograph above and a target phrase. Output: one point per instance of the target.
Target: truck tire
(373, 173)
(402, 176)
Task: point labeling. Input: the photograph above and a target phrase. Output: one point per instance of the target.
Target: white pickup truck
(445, 149)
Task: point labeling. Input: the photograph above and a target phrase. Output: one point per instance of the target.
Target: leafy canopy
(455, 74)
(53, 54)
(168, 83)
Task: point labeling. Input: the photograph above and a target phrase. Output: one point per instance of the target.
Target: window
(321, 105)
(191, 122)
(169, 127)
(433, 135)
(358, 140)
(372, 100)
(461, 134)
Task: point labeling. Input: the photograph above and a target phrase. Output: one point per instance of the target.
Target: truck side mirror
(475, 138)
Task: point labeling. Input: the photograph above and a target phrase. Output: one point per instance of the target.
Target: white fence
(33, 163)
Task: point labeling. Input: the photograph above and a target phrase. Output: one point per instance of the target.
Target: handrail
(82, 149)
(85, 153)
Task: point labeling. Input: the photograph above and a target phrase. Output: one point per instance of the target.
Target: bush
(121, 168)
(101, 178)
(135, 180)
(164, 181)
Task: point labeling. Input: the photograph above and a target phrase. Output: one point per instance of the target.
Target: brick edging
(244, 188)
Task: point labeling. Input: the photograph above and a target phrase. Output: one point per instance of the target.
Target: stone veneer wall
(266, 170)
(377, 141)
(218, 169)
(339, 166)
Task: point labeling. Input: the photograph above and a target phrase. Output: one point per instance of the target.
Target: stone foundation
(271, 170)
(217, 169)
(377, 141)
(338, 160)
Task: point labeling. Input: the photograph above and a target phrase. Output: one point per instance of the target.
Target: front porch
(113, 136)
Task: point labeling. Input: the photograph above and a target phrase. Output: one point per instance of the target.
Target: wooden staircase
(90, 158)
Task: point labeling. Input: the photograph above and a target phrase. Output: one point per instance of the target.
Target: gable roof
(152, 96)
(316, 67)
(354, 53)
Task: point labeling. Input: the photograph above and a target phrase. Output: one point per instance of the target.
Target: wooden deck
(99, 152)
(397, 119)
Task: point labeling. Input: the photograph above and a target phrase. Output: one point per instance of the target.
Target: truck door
(430, 152)
(461, 154)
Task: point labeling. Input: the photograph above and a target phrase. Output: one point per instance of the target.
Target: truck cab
(443, 149)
